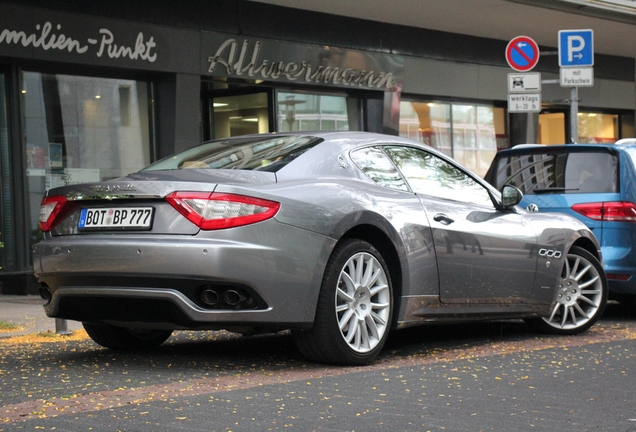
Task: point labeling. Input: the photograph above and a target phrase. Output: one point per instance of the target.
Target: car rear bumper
(155, 308)
(619, 263)
(158, 281)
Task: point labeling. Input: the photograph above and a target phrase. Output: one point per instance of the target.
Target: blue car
(595, 183)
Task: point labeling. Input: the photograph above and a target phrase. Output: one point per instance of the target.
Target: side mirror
(510, 196)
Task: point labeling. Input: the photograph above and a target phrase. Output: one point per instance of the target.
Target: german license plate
(122, 217)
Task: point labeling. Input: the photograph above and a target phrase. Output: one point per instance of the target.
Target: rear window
(246, 153)
(557, 172)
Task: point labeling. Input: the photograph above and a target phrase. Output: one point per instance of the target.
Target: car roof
(333, 135)
(344, 140)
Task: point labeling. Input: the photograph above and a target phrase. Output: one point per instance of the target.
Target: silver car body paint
(486, 265)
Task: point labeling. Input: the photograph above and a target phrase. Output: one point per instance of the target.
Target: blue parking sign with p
(576, 48)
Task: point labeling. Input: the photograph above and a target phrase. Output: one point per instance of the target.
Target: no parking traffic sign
(522, 53)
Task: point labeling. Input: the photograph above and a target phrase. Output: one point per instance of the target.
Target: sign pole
(576, 58)
(574, 115)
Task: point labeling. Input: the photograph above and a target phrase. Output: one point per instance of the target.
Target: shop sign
(40, 34)
(51, 37)
(264, 59)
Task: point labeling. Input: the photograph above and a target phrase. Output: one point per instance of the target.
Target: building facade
(92, 91)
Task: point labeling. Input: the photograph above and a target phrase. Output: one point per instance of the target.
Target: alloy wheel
(579, 295)
(363, 302)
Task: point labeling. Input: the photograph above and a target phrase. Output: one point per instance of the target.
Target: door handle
(443, 219)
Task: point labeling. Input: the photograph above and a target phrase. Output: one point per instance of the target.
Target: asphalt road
(478, 377)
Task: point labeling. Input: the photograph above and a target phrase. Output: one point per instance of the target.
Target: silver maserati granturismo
(339, 237)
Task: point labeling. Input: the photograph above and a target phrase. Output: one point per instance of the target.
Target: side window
(374, 163)
(428, 174)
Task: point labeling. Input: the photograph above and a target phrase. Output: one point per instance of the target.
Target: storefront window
(468, 133)
(428, 123)
(598, 127)
(82, 129)
(594, 127)
(301, 111)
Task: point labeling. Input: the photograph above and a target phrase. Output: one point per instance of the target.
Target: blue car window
(559, 172)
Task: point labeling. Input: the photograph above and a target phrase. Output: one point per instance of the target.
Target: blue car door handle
(442, 218)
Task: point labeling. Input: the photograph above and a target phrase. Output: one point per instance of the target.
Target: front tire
(120, 338)
(354, 310)
(581, 295)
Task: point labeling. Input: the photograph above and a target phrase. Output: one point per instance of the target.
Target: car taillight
(50, 208)
(211, 211)
(618, 276)
(619, 211)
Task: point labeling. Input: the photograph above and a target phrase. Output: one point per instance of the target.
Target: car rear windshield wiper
(551, 190)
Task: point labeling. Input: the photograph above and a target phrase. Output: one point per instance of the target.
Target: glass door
(232, 114)
(552, 128)
(316, 111)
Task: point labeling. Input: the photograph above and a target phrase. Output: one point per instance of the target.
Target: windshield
(262, 153)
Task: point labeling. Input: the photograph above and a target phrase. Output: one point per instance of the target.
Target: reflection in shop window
(304, 112)
(471, 134)
(82, 129)
(428, 123)
(598, 127)
(593, 127)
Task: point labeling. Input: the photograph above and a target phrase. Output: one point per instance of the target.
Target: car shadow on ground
(202, 351)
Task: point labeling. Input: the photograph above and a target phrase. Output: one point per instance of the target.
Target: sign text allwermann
(247, 59)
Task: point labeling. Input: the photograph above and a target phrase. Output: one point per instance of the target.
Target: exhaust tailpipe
(209, 297)
(233, 297)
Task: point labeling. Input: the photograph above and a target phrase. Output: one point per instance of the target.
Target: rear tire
(354, 310)
(581, 295)
(121, 338)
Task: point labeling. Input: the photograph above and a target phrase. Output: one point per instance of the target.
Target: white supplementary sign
(524, 82)
(577, 77)
(524, 102)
